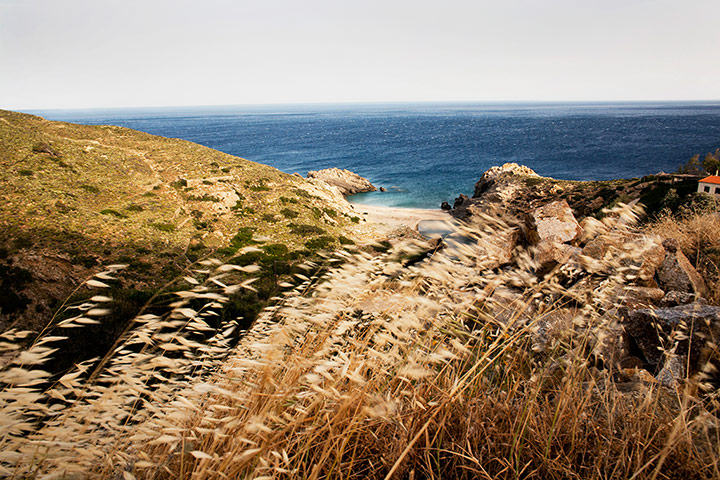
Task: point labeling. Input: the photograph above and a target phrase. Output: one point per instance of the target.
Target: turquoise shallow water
(428, 153)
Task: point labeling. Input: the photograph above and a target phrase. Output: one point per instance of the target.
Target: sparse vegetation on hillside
(699, 239)
(78, 197)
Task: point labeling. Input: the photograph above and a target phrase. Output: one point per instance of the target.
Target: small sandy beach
(388, 221)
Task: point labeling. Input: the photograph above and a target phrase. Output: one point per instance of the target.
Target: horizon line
(377, 103)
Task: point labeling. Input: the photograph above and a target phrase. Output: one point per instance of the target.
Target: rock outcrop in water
(346, 181)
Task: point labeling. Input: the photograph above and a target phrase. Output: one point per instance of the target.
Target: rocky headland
(347, 182)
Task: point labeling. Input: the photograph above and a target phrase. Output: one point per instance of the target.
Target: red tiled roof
(711, 179)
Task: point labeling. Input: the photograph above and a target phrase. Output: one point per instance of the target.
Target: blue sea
(428, 153)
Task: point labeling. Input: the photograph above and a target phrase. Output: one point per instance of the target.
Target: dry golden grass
(442, 369)
(698, 236)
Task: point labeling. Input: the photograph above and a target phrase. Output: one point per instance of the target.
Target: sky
(102, 53)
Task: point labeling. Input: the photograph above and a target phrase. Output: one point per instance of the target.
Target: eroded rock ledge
(346, 181)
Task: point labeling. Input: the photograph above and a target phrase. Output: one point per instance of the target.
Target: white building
(710, 185)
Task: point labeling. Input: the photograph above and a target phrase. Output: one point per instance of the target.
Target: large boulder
(554, 222)
(675, 273)
(638, 256)
(497, 249)
(346, 181)
(634, 297)
(547, 254)
(683, 331)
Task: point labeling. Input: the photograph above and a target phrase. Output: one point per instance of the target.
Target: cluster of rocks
(663, 323)
(498, 190)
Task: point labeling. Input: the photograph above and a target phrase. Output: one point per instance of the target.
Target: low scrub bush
(113, 213)
(90, 188)
(305, 230)
(164, 226)
(288, 213)
(179, 183)
(320, 243)
(134, 207)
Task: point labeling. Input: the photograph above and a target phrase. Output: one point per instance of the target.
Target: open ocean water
(428, 153)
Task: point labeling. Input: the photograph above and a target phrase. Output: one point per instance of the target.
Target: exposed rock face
(673, 299)
(461, 200)
(549, 227)
(555, 222)
(640, 297)
(685, 329)
(677, 274)
(548, 252)
(491, 177)
(498, 249)
(642, 254)
(345, 180)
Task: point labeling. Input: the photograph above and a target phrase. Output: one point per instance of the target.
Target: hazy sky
(99, 53)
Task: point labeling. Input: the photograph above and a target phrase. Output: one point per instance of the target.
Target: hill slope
(77, 197)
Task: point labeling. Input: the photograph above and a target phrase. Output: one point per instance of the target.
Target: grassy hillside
(77, 198)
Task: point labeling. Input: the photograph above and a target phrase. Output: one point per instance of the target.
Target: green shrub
(305, 230)
(355, 219)
(330, 212)
(134, 207)
(25, 173)
(259, 188)
(242, 238)
(287, 213)
(207, 182)
(179, 183)
(90, 188)
(163, 226)
(200, 225)
(114, 213)
(320, 243)
(288, 200)
(247, 258)
(269, 218)
(317, 213)
(532, 181)
(276, 249)
(225, 169)
(345, 240)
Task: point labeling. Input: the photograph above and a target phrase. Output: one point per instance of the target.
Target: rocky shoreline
(660, 305)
